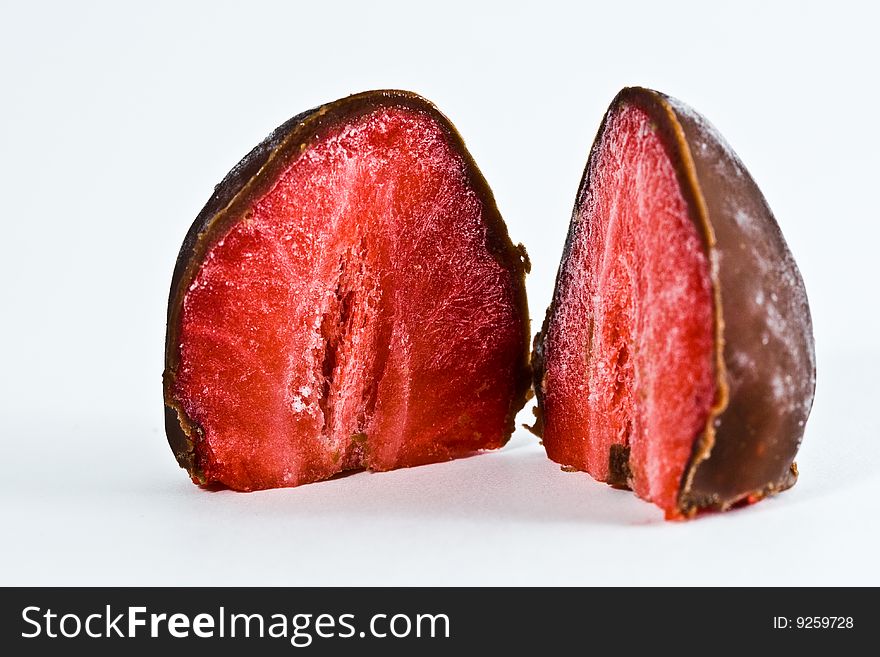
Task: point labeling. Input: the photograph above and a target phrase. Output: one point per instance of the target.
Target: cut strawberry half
(676, 358)
(349, 298)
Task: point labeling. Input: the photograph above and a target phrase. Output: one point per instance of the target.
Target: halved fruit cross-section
(348, 298)
(677, 357)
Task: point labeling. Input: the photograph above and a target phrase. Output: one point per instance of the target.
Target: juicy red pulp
(629, 350)
(354, 317)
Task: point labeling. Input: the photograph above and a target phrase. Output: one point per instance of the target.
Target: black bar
(518, 620)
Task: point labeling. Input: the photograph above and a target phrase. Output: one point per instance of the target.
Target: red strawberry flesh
(629, 352)
(360, 314)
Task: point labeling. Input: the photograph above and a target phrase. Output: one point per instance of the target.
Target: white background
(116, 120)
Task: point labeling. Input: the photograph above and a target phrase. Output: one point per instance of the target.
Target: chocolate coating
(252, 178)
(765, 363)
(768, 350)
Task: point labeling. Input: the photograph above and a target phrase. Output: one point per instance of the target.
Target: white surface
(115, 123)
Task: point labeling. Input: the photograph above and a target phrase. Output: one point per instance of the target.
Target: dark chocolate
(767, 334)
(619, 473)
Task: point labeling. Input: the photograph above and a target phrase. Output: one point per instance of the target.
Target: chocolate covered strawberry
(677, 356)
(348, 298)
